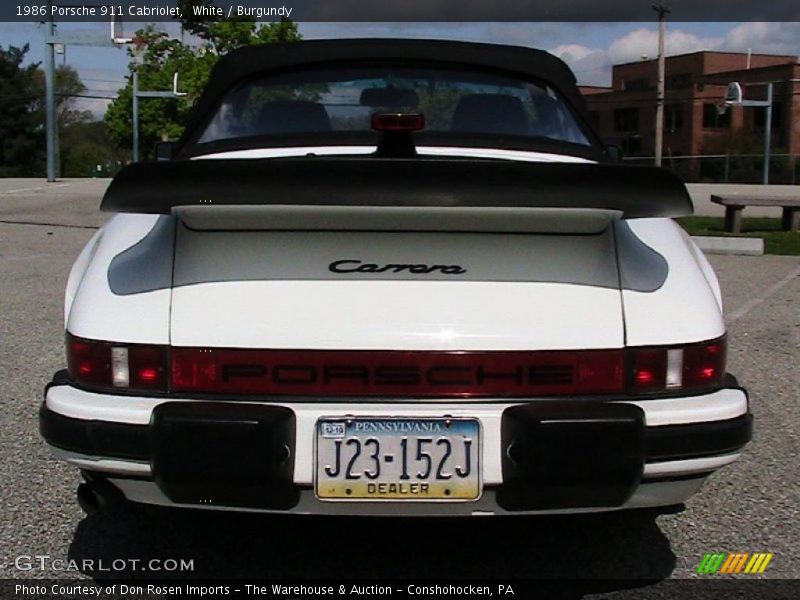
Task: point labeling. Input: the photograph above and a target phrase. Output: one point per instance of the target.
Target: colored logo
(719, 563)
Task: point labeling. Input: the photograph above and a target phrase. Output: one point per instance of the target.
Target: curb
(730, 245)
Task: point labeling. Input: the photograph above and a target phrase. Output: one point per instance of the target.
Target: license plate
(398, 459)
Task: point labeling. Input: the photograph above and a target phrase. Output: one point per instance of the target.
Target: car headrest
(490, 113)
(546, 121)
(388, 97)
(292, 116)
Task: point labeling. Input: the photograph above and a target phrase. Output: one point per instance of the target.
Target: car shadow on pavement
(604, 551)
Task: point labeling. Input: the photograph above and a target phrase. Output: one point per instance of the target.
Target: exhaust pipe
(98, 494)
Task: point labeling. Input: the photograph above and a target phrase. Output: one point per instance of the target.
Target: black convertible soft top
(253, 61)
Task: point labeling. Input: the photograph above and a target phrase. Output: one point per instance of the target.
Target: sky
(590, 49)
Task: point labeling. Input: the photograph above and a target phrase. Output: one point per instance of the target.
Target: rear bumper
(537, 456)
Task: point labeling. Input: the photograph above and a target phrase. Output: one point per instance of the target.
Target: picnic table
(734, 204)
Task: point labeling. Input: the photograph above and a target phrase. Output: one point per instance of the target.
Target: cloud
(573, 52)
(633, 45)
(766, 38)
(521, 34)
(590, 65)
(539, 10)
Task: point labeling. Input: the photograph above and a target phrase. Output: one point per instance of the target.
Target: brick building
(695, 85)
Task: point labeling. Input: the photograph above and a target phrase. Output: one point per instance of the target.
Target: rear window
(334, 100)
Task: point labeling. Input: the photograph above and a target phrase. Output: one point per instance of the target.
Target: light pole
(50, 94)
(662, 12)
(735, 97)
(50, 43)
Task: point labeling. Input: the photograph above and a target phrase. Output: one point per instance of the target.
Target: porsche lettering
(437, 375)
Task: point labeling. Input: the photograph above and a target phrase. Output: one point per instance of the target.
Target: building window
(673, 117)
(632, 145)
(760, 117)
(637, 85)
(594, 118)
(679, 81)
(626, 119)
(713, 120)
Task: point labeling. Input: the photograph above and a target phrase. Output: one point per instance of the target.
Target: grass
(776, 241)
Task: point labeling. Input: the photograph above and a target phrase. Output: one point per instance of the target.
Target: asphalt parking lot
(750, 506)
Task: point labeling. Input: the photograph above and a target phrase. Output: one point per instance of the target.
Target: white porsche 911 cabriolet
(395, 277)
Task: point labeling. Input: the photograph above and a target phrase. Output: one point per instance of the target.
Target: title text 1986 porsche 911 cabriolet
(393, 277)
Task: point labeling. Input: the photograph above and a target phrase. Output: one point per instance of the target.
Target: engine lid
(395, 290)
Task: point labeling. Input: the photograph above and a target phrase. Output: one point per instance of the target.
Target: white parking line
(771, 291)
(35, 189)
(31, 257)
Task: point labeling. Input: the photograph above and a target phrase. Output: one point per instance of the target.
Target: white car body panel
(647, 495)
(422, 150)
(137, 410)
(95, 309)
(360, 315)
(686, 308)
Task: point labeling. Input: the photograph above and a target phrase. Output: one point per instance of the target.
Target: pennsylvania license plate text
(398, 459)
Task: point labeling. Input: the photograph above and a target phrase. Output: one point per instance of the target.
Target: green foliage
(776, 241)
(157, 57)
(738, 141)
(85, 146)
(438, 105)
(22, 112)
(67, 87)
(20, 129)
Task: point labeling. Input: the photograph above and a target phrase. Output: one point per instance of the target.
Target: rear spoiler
(390, 194)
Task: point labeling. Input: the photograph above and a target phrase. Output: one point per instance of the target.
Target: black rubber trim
(671, 478)
(224, 454)
(696, 440)
(570, 454)
(730, 381)
(95, 438)
(60, 377)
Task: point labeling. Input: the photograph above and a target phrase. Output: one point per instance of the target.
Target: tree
(85, 147)
(156, 57)
(68, 87)
(20, 130)
(22, 111)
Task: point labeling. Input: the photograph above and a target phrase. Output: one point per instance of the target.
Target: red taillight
(147, 367)
(408, 374)
(677, 368)
(704, 364)
(89, 362)
(115, 365)
(649, 370)
(398, 122)
(396, 373)
(600, 370)
(148, 375)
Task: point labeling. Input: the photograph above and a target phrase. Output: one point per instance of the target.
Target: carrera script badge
(350, 265)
